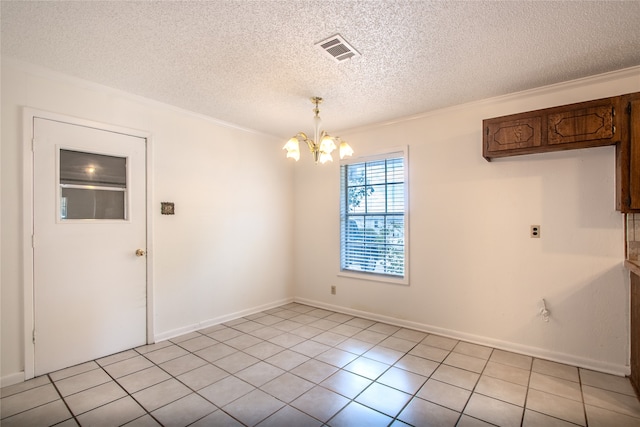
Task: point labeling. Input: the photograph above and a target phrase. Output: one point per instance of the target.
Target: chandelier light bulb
(327, 145)
(325, 157)
(293, 149)
(345, 150)
(295, 155)
(322, 144)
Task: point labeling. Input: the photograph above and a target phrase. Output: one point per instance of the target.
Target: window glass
(373, 216)
(92, 186)
(77, 167)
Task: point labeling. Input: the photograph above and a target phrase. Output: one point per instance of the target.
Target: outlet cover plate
(535, 232)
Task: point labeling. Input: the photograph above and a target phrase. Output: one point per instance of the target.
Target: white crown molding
(529, 93)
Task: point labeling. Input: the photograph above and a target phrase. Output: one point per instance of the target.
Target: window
(92, 186)
(373, 217)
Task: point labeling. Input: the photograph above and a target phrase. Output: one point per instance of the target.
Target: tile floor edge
(220, 319)
(540, 353)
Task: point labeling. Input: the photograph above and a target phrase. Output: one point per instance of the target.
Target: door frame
(28, 117)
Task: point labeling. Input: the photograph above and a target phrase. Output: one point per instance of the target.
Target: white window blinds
(372, 232)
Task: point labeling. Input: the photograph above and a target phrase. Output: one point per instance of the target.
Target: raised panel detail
(581, 125)
(514, 134)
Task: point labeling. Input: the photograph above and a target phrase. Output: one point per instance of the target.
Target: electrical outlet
(333, 290)
(535, 232)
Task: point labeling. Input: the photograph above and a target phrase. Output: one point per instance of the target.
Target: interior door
(89, 243)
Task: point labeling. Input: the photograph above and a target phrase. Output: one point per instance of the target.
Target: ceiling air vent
(338, 48)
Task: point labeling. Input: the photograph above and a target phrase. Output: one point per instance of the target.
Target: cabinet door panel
(585, 124)
(514, 134)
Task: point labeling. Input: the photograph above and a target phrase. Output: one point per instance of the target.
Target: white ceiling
(254, 64)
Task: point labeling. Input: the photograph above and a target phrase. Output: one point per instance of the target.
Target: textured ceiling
(254, 64)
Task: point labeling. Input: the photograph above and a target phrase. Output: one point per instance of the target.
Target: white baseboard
(12, 379)
(540, 353)
(537, 352)
(18, 377)
(220, 319)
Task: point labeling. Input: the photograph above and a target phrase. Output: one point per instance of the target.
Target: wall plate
(167, 208)
(535, 232)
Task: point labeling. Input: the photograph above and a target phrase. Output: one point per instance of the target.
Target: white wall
(475, 273)
(225, 252)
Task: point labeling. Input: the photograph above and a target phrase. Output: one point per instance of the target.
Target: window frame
(395, 152)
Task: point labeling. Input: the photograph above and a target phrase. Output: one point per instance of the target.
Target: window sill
(372, 277)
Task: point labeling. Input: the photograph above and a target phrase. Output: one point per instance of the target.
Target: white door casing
(87, 294)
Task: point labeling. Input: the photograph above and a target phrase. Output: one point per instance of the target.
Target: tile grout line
(351, 400)
(414, 395)
(196, 391)
(579, 382)
(474, 389)
(526, 394)
(584, 405)
(171, 377)
(114, 380)
(63, 400)
(313, 358)
(168, 379)
(127, 391)
(374, 381)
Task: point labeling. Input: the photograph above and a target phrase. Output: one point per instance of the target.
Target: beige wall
(225, 252)
(474, 271)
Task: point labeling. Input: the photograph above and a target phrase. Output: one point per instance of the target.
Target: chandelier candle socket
(322, 143)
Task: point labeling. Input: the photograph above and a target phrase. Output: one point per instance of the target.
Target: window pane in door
(88, 203)
(92, 186)
(77, 167)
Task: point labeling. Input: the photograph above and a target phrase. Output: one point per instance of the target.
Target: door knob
(140, 252)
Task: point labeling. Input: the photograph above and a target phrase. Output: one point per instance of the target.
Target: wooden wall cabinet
(607, 121)
(587, 124)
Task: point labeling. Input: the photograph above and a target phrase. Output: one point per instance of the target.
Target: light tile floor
(297, 365)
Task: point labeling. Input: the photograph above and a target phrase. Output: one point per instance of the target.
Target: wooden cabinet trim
(567, 127)
(634, 142)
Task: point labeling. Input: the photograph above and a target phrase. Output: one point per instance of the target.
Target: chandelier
(322, 143)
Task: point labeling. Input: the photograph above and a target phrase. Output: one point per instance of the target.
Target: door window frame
(108, 187)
